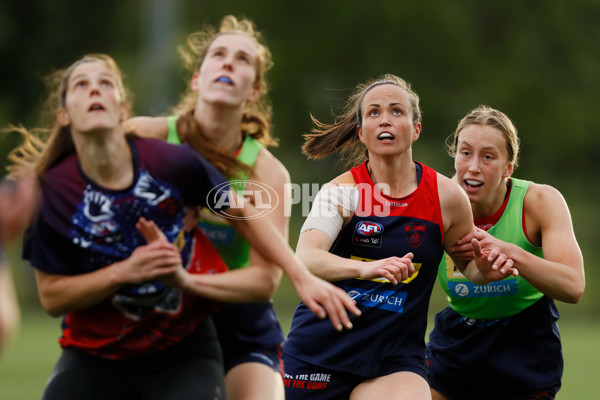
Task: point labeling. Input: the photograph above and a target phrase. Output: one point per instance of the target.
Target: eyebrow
(225, 48)
(391, 105)
(84, 75)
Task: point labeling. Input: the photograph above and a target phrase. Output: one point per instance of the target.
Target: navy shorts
(518, 357)
(236, 355)
(466, 393)
(302, 380)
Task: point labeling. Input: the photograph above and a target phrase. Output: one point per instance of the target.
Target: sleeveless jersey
(249, 322)
(83, 227)
(502, 298)
(390, 332)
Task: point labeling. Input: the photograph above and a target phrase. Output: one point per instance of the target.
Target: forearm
(472, 273)
(271, 244)
(252, 283)
(329, 266)
(554, 279)
(60, 294)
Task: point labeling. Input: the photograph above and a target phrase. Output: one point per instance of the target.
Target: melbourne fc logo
(415, 234)
(261, 196)
(368, 228)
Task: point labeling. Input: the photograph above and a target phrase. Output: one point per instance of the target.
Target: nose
(94, 88)
(228, 63)
(385, 121)
(474, 165)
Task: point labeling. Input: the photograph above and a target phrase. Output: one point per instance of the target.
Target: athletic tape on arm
(325, 213)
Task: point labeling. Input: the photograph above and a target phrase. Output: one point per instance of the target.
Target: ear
(417, 132)
(195, 85)
(508, 171)
(62, 117)
(124, 114)
(255, 94)
(360, 133)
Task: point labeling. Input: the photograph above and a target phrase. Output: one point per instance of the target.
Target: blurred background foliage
(538, 61)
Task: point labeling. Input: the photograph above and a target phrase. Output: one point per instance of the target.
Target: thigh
(198, 378)
(403, 385)
(305, 381)
(253, 380)
(81, 376)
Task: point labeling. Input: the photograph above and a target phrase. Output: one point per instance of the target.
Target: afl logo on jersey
(368, 233)
(415, 234)
(368, 228)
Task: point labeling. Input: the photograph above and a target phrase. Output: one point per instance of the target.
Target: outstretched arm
(150, 127)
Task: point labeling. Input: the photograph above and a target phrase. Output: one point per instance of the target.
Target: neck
(398, 172)
(221, 125)
(491, 204)
(105, 158)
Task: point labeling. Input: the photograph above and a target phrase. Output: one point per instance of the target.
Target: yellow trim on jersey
(384, 280)
(451, 270)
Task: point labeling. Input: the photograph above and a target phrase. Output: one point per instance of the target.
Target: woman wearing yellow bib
(501, 340)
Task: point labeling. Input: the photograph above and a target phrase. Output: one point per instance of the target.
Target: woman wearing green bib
(225, 117)
(501, 340)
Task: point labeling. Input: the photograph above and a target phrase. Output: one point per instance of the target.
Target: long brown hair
(341, 134)
(45, 146)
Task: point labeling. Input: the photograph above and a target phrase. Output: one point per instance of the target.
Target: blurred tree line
(538, 61)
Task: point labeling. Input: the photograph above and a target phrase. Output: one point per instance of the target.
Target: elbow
(575, 295)
(572, 294)
(51, 307)
(271, 283)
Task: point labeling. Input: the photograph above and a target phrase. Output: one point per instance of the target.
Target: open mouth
(473, 184)
(96, 107)
(385, 136)
(225, 79)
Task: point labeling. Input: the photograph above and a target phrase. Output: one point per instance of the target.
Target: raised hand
(177, 276)
(493, 264)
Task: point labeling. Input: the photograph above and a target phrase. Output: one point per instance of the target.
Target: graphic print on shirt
(368, 233)
(98, 223)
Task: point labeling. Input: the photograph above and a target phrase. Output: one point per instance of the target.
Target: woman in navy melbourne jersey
(226, 109)
(378, 231)
(502, 341)
(134, 326)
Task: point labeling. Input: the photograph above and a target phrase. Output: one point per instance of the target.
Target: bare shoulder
(344, 179)
(268, 169)
(151, 127)
(544, 200)
(449, 191)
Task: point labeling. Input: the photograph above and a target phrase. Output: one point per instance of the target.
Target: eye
(79, 84)
(106, 83)
(244, 58)
(465, 153)
(397, 111)
(373, 113)
(218, 53)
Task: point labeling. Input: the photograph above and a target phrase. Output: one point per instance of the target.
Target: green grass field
(27, 361)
